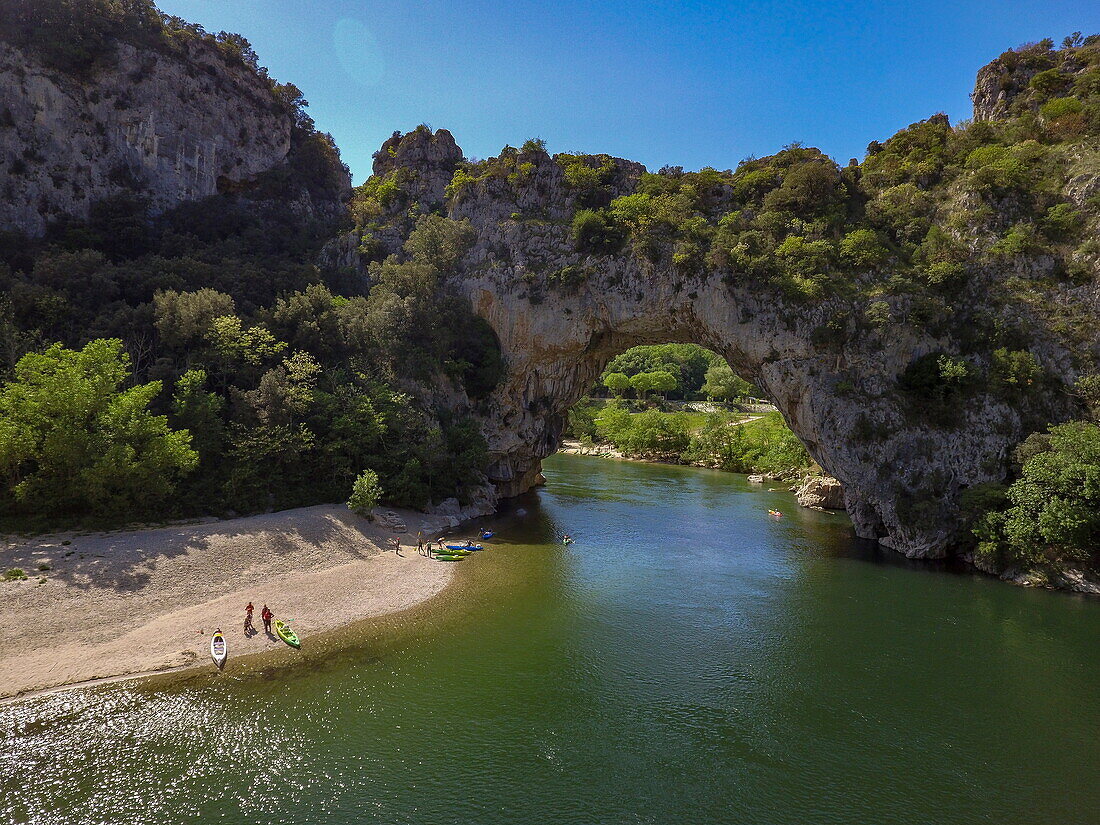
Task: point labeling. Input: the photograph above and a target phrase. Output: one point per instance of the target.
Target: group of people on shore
(429, 546)
(265, 614)
(424, 545)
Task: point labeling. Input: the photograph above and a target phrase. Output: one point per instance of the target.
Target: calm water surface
(688, 660)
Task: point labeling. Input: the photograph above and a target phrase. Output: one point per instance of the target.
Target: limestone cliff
(166, 125)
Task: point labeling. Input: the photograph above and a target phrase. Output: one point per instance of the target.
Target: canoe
(486, 534)
(463, 547)
(283, 631)
(449, 558)
(218, 649)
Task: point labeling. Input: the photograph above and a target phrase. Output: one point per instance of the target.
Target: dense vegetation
(286, 389)
(721, 439)
(1050, 514)
(200, 360)
(676, 371)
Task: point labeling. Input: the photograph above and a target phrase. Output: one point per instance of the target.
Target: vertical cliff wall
(169, 126)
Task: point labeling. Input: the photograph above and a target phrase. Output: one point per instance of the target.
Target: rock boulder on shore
(821, 492)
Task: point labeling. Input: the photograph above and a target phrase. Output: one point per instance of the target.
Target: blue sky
(691, 84)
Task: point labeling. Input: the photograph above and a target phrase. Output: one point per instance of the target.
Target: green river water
(688, 659)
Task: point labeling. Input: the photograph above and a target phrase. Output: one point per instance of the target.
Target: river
(688, 659)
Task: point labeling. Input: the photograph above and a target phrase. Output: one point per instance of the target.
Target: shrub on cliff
(596, 232)
(588, 177)
(74, 36)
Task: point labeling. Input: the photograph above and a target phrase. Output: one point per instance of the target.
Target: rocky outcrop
(1004, 83)
(555, 350)
(428, 158)
(165, 126)
(821, 493)
(484, 503)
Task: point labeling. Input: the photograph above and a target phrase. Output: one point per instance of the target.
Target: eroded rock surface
(165, 127)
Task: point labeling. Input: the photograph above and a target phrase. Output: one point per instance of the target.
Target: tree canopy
(73, 441)
(1052, 511)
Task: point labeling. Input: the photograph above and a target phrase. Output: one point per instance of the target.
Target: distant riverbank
(114, 604)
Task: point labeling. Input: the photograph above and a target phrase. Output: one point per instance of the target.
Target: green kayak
(449, 558)
(283, 631)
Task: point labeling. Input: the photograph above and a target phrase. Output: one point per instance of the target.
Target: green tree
(663, 382)
(642, 384)
(73, 442)
(366, 492)
(1054, 507)
(656, 434)
(617, 382)
(183, 319)
(723, 383)
(613, 424)
(439, 241)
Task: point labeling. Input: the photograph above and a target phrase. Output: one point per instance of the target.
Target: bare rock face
(168, 127)
(822, 493)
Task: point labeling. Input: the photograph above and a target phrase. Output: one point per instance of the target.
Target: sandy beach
(140, 601)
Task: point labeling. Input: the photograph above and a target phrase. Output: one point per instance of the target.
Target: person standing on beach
(267, 616)
(248, 628)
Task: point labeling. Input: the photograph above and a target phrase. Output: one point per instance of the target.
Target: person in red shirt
(267, 616)
(248, 628)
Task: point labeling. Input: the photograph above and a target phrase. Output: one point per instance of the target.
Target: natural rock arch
(561, 315)
(556, 351)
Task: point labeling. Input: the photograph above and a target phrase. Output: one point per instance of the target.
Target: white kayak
(218, 649)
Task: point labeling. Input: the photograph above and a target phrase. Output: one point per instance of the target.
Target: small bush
(1049, 82)
(862, 248)
(936, 377)
(1062, 221)
(366, 492)
(1014, 369)
(1060, 107)
(595, 232)
(14, 574)
(877, 314)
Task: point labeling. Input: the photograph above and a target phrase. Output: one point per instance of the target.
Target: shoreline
(143, 603)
